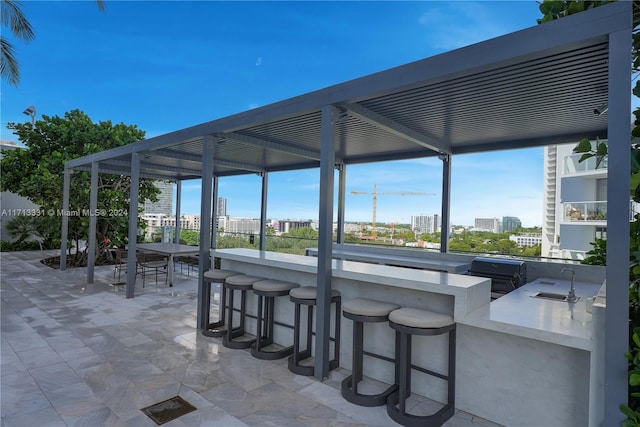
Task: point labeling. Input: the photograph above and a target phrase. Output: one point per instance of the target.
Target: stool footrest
(305, 370)
(271, 355)
(228, 339)
(368, 400)
(215, 329)
(237, 344)
(406, 419)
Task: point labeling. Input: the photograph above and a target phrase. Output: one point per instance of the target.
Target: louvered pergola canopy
(535, 87)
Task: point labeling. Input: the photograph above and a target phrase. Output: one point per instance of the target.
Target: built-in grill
(505, 274)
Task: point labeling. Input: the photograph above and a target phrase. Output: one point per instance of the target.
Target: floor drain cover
(168, 410)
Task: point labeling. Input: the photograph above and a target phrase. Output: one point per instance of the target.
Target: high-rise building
(164, 205)
(426, 224)
(510, 223)
(488, 224)
(221, 209)
(286, 225)
(575, 202)
(243, 226)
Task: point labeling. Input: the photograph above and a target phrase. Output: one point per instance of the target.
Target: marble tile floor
(74, 354)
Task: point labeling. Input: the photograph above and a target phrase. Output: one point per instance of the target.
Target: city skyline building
(286, 225)
(510, 223)
(493, 225)
(426, 224)
(221, 207)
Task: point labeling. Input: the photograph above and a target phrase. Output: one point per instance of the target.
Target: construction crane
(386, 193)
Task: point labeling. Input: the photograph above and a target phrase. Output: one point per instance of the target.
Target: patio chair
(150, 261)
(120, 262)
(190, 261)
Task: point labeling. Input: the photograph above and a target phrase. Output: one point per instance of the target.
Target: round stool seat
(367, 307)
(417, 318)
(309, 292)
(217, 275)
(269, 286)
(241, 281)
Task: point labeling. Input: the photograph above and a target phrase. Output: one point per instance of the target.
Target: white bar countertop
(470, 292)
(558, 322)
(398, 260)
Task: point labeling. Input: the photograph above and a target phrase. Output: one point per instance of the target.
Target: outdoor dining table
(170, 250)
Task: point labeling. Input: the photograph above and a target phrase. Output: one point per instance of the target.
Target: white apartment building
(575, 202)
(526, 239)
(493, 225)
(242, 225)
(426, 224)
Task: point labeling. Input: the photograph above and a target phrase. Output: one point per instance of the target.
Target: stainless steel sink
(550, 296)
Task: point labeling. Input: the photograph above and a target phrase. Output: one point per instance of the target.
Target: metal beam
(205, 227)
(93, 220)
(214, 213)
(446, 203)
(395, 128)
(618, 184)
(178, 211)
(325, 243)
(66, 190)
(196, 158)
(124, 172)
(272, 145)
(263, 211)
(342, 184)
(155, 166)
(133, 225)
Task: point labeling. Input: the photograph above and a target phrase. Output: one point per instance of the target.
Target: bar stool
(307, 295)
(267, 291)
(242, 283)
(361, 311)
(413, 321)
(215, 329)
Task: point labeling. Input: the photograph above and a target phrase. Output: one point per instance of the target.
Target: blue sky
(167, 65)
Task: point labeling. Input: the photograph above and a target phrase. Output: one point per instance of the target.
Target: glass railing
(284, 244)
(584, 211)
(572, 164)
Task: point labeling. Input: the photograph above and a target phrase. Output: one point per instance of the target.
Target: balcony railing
(572, 164)
(584, 211)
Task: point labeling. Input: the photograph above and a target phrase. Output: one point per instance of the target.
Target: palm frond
(9, 68)
(11, 16)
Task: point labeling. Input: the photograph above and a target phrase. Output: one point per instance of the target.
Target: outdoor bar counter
(520, 360)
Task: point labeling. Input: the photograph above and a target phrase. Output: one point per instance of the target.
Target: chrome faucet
(571, 296)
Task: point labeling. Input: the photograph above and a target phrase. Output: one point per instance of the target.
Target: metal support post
(93, 212)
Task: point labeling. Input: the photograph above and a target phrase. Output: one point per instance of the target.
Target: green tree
(15, 20)
(303, 233)
(189, 237)
(37, 174)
